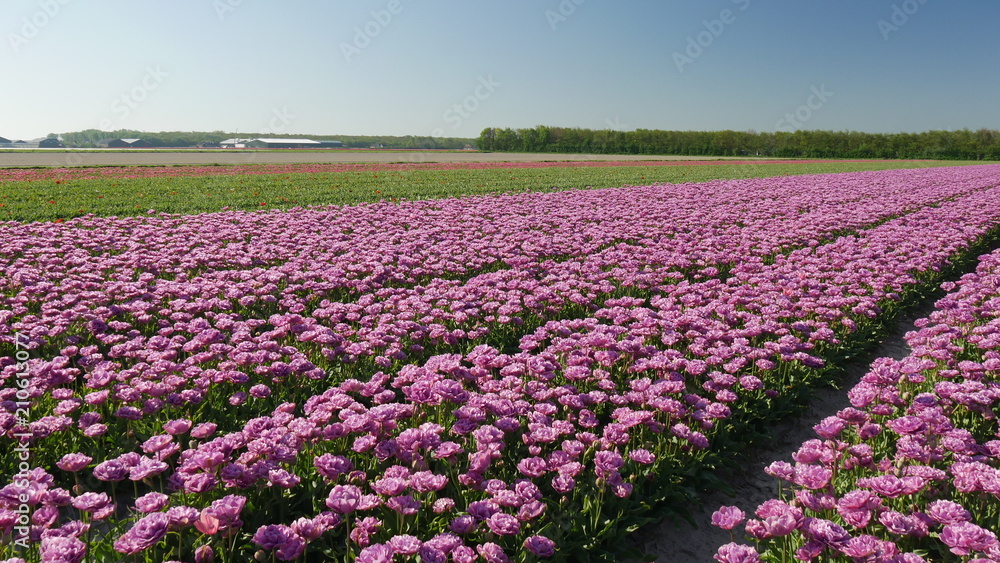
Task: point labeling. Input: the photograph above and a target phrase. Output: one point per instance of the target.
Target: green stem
(347, 542)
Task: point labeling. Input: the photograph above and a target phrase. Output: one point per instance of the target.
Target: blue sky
(425, 67)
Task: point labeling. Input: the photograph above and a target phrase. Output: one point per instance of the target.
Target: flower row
(911, 471)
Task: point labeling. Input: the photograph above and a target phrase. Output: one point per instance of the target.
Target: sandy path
(226, 156)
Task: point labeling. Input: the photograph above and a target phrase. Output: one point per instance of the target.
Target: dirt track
(61, 158)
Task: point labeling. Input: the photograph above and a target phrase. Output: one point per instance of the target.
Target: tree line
(181, 139)
(983, 144)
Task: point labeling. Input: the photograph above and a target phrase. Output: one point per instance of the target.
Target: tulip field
(44, 194)
(520, 375)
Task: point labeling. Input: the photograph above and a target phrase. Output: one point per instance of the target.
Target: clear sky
(436, 67)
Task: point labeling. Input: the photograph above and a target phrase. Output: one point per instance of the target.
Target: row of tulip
(489, 454)
(911, 471)
(373, 277)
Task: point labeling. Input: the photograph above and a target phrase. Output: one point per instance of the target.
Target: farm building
(19, 144)
(265, 143)
(50, 143)
(284, 144)
(124, 144)
(234, 143)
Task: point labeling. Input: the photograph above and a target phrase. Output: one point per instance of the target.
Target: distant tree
(487, 139)
(963, 144)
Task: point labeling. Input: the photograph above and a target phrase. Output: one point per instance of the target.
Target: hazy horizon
(397, 68)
